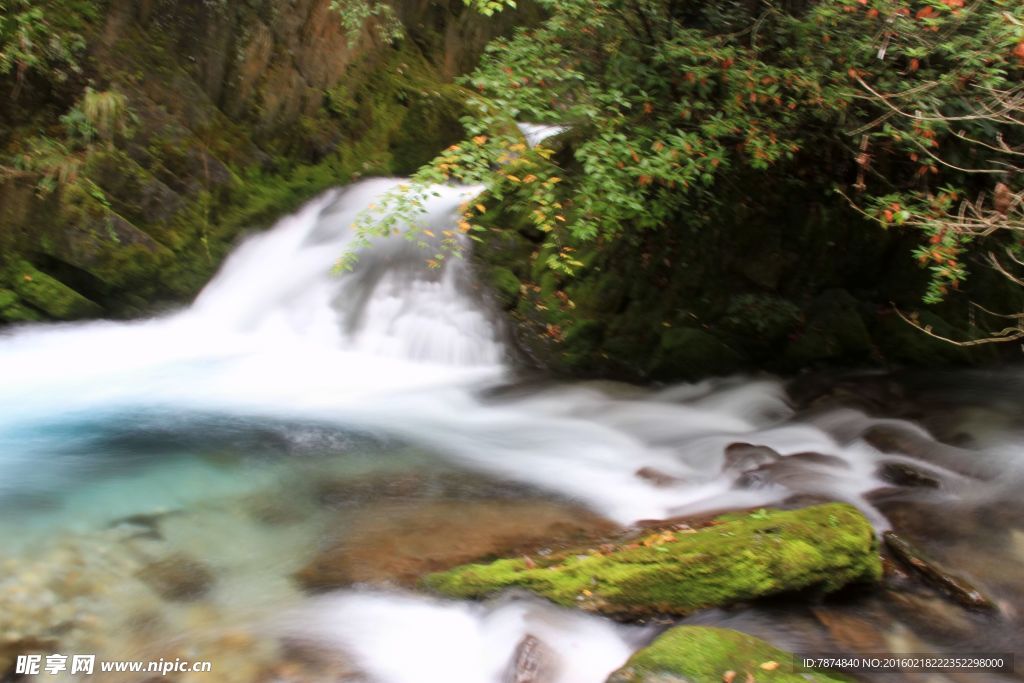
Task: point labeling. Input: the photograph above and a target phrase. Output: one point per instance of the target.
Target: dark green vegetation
(747, 184)
(741, 186)
(701, 653)
(737, 558)
(139, 139)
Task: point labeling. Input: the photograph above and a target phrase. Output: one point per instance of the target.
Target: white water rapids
(398, 350)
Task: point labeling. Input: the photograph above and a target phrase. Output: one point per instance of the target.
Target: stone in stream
(657, 477)
(706, 654)
(802, 472)
(932, 617)
(955, 587)
(737, 558)
(903, 474)
(746, 456)
(854, 630)
(146, 524)
(177, 577)
(532, 662)
(399, 542)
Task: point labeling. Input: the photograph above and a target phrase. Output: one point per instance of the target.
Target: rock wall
(242, 109)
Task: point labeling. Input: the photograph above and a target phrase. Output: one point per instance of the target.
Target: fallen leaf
(728, 676)
(770, 666)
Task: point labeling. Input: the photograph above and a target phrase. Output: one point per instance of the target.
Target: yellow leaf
(481, 208)
(770, 666)
(428, 233)
(728, 676)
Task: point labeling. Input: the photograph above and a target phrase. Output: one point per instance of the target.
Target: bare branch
(1007, 334)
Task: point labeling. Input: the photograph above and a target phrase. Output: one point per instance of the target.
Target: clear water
(213, 433)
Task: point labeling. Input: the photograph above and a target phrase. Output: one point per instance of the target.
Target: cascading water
(280, 350)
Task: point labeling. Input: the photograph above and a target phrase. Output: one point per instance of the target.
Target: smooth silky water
(213, 438)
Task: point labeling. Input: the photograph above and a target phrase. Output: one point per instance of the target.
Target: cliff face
(240, 109)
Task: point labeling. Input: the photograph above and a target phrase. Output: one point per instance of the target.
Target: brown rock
(399, 542)
(955, 587)
(851, 632)
(902, 474)
(177, 577)
(657, 477)
(532, 662)
(746, 456)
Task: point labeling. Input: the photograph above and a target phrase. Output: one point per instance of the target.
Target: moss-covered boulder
(735, 558)
(45, 293)
(703, 654)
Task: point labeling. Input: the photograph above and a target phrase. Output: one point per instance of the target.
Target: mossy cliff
(241, 110)
(772, 272)
(737, 558)
(702, 654)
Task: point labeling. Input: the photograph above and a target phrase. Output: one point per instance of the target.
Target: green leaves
(490, 7)
(664, 100)
(34, 37)
(358, 16)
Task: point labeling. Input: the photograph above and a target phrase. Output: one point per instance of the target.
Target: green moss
(690, 353)
(703, 654)
(823, 547)
(13, 311)
(506, 286)
(49, 295)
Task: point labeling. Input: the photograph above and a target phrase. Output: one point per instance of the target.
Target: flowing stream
(289, 407)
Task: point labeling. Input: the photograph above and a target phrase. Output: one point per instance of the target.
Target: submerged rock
(657, 477)
(399, 542)
(532, 662)
(903, 474)
(736, 558)
(705, 654)
(746, 456)
(177, 577)
(957, 588)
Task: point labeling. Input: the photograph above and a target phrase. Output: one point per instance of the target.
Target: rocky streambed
(236, 579)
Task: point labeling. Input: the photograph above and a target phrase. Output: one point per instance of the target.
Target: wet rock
(400, 542)
(146, 524)
(788, 472)
(892, 440)
(274, 511)
(741, 557)
(177, 577)
(303, 662)
(376, 487)
(812, 458)
(532, 662)
(370, 488)
(657, 477)
(903, 474)
(12, 648)
(932, 617)
(707, 654)
(852, 632)
(746, 456)
(957, 588)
